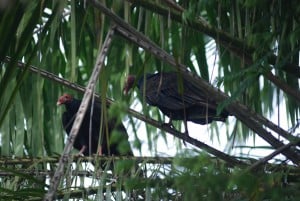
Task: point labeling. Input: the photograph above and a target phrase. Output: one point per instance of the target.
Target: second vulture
(114, 137)
(176, 97)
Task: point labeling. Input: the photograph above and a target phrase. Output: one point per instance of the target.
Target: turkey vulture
(117, 134)
(176, 97)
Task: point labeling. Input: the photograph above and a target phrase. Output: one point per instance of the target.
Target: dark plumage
(176, 97)
(117, 134)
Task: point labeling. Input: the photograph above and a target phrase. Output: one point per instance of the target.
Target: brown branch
(79, 117)
(264, 160)
(283, 85)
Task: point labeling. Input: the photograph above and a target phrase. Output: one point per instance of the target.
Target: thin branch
(264, 160)
(283, 85)
(4, 161)
(79, 117)
(48, 75)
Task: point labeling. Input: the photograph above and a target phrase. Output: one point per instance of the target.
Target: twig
(297, 125)
(264, 160)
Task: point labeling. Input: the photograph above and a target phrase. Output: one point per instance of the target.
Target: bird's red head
(64, 99)
(128, 84)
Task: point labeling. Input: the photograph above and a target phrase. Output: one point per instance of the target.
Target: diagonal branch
(236, 108)
(264, 160)
(66, 156)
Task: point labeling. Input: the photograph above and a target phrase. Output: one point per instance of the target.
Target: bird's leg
(186, 129)
(169, 124)
(80, 153)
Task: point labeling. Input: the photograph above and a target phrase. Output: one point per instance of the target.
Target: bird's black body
(177, 98)
(88, 134)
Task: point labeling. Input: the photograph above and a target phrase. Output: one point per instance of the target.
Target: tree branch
(264, 160)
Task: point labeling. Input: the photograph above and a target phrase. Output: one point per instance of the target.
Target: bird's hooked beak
(125, 91)
(125, 88)
(66, 98)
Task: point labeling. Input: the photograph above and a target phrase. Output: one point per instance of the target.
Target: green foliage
(64, 38)
(203, 178)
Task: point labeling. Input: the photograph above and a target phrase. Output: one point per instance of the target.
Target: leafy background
(257, 51)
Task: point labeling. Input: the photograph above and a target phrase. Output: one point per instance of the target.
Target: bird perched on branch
(176, 97)
(113, 136)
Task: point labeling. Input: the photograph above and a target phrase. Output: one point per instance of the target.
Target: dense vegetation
(244, 54)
